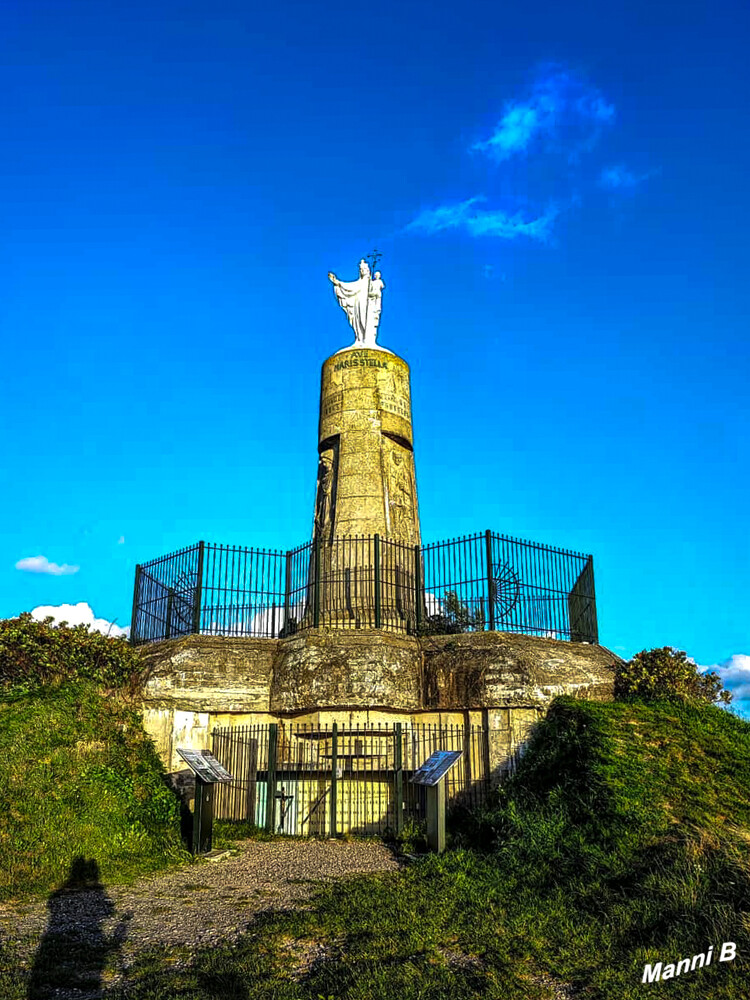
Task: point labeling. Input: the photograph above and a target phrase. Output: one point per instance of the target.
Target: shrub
(667, 673)
(453, 617)
(34, 653)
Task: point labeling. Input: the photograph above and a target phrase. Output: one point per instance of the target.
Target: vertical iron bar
(490, 582)
(594, 636)
(316, 584)
(398, 790)
(136, 605)
(198, 591)
(334, 778)
(168, 623)
(377, 580)
(273, 740)
(287, 590)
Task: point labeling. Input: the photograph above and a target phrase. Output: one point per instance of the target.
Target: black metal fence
(477, 582)
(312, 780)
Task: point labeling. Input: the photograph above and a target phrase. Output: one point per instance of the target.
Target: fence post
(490, 582)
(287, 591)
(398, 784)
(377, 580)
(594, 629)
(170, 602)
(332, 826)
(136, 605)
(198, 591)
(418, 586)
(273, 742)
(316, 584)
(486, 755)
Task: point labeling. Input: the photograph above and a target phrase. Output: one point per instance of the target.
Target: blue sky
(560, 195)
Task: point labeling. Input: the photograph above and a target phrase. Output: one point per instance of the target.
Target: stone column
(366, 486)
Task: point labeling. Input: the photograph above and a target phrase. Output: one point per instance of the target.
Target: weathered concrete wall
(488, 669)
(501, 680)
(196, 678)
(210, 673)
(327, 668)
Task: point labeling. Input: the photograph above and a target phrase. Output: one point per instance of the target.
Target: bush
(453, 618)
(667, 673)
(34, 653)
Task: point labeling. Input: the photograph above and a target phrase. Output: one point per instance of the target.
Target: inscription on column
(395, 404)
(332, 403)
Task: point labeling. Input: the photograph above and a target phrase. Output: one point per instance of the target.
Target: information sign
(436, 767)
(205, 765)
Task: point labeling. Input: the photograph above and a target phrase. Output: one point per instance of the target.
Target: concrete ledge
(210, 673)
(348, 668)
(494, 669)
(365, 677)
(330, 667)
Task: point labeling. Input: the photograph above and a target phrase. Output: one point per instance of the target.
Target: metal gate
(304, 779)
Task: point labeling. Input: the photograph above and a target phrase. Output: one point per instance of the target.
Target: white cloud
(121, 540)
(433, 604)
(79, 614)
(735, 675)
(41, 564)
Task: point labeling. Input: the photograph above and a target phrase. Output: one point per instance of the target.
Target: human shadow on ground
(74, 949)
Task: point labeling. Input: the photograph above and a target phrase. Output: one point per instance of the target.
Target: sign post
(432, 774)
(208, 772)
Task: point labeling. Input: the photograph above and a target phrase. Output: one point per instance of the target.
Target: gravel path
(196, 905)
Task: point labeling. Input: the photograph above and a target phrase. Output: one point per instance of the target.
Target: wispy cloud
(79, 614)
(620, 178)
(478, 222)
(560, 115)
(561, 108)
(121, 540)
(41, 564)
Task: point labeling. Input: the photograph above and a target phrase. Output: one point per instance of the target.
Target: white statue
(361, 300)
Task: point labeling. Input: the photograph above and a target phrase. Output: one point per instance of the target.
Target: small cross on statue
(374, 257)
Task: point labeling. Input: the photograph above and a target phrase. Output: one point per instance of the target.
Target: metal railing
(477, 582)
(311, 780)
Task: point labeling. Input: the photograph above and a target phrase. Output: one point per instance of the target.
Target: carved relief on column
(399, 492)
(325, 497)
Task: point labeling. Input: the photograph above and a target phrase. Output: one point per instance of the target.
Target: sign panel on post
(205, 765)
(432, 774)
(208, 772)
(436, 767)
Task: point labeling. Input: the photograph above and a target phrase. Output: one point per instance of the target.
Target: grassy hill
(623, 840)
(78, 776)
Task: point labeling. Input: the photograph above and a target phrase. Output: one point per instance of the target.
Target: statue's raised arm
(361, 301)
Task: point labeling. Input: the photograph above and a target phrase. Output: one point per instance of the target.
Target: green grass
(79, 778)
(623, 839)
